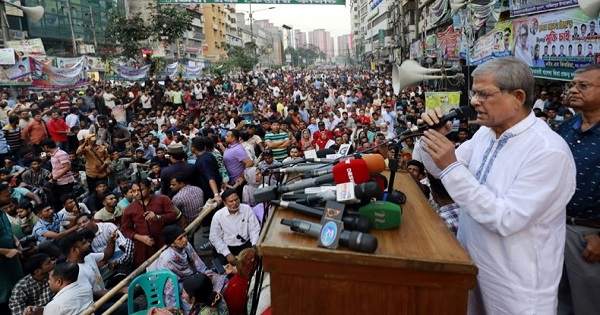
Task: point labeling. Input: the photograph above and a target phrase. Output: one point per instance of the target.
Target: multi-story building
(321, 39)
(66, 23)
(345, 45)
(300, 39)
(215, 30)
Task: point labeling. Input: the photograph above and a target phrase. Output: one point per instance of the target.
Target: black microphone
(363, 192)
(352, 222)
(356, 241)
(298, 161)
(455, 113)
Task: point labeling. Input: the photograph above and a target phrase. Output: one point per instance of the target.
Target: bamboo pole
(117, 304)
(208, 208)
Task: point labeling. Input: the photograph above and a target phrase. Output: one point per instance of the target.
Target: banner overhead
(557, 43)
(527, 7)
(330, 2)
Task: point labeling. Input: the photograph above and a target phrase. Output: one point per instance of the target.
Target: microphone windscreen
(375, 162)
(362, 242)
(381, 180)
(366, 191)
(351, 171)
(382, 214)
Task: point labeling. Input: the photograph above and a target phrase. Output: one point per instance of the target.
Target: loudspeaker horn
(591, 8)
(33, 13)
(410, 73)
(455, 6)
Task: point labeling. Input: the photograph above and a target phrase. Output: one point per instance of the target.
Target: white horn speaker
(33, 13)
(591, 8)
(410, 72)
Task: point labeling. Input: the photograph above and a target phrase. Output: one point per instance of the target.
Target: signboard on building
(7, 56)
(27, 47)
(330, 2)
(557, 43)
(381, 38)
(526, 7)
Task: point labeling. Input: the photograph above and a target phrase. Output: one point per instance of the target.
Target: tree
(169, 22)
(127, 36)
(123, 36)
(237, 57)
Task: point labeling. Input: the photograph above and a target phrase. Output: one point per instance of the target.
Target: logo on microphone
(350, 175)
(328, 233)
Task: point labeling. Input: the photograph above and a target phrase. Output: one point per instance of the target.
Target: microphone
(361, 192)
(314, 168)
(297, 161)
(356, 241)
(382, 215)
(455, 113)
(352, 222)
(345, 171)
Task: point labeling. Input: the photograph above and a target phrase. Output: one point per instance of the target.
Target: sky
(332, 18)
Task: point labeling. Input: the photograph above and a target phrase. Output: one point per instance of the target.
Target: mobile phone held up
(218, 266)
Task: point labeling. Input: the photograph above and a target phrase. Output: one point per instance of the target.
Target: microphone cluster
(353, 182)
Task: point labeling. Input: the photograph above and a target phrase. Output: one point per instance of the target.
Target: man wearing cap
(317, 134)
(179, 166)
(541, 102)
(96, 158)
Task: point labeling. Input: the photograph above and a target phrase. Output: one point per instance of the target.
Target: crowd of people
(94, 182)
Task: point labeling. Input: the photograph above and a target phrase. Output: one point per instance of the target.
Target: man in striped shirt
(277, 141)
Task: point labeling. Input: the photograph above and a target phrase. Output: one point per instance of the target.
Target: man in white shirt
(233, 228)
(72, 297)
(109, 98)
(78, 249)
(512, 218)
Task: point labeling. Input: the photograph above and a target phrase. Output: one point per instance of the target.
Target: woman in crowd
(181, 258)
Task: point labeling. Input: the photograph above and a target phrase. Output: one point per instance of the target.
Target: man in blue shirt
(47, 229)
(580, 284)
(247, 109)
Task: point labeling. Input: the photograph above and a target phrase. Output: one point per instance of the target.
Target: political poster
(430, 47)
(557, 43)
(445, 100)
(330, 2)
(27, 47)
(528, 7)
(7, 56)
(48, 77)
(494, 44)
(67, 62)
(434, 13)
(94, 64)
(191, 72)
(17, 74)
(416, 50)
(448, 44)
(132, 74)
(172, 69)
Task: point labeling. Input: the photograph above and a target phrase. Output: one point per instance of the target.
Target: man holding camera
(96, 158)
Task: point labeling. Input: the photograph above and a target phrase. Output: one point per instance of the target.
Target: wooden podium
(418, 268)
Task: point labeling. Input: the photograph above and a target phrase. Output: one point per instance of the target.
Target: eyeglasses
(483, 95)
(523, 35)
(578, 85)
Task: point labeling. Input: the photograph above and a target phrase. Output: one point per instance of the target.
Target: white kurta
(512, 191)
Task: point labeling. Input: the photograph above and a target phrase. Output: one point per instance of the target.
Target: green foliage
(310, 54)
(169, 21)
(125, 37)
(122, 37)
(237, 58)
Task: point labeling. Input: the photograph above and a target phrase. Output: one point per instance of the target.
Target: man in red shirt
(35, 131)
(64, 102)
(58, 129)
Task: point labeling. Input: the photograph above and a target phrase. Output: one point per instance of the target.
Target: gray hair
(590, 67)
(510, 74)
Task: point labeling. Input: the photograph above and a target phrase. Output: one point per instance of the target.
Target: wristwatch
(158, 217)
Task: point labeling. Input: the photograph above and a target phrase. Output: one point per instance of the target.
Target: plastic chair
(153, 284)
